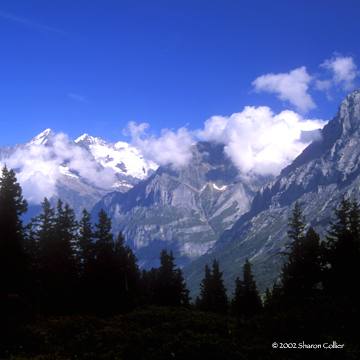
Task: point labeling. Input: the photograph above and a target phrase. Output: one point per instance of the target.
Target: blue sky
(93, 66)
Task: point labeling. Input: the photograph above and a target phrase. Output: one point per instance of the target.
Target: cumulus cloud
(170, 148)
(260, 142)
(290, 87)
(343, 70)
(38, 167)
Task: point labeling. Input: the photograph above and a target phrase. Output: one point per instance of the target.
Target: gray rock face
(185, 211)
(318, 178)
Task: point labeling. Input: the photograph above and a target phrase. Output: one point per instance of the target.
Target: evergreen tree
(66, 233)
(274, 298)
(102, 275)
(220, 300)
(341, 228)
(55, 236)
(246, 301)
(296, 230)
(183, 292)
(104, 238)
(128, 273)
(267, 298)
(343, 250)
(43, 230)
(170, 288)
(148, 282)
(302, 272)
(212, 291)
(354, 220)
(165, 292)
(85, 241)
(13, 258)
(66, 229)
(203, 302)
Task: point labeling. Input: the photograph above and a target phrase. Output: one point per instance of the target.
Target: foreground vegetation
(175, 332)
(71, 292)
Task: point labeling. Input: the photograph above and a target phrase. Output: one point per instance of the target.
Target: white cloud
(38, 167)
(344, 71)
(323, 84)
(290, 87)
(260, 142)
(171, 148)
(257, 141)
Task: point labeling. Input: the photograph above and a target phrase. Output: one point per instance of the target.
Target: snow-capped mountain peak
(85, 138)
(50, 165)
(42, 138)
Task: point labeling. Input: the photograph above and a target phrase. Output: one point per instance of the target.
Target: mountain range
(183, 210)
(318, 178)
(206, 209)
(80, 172)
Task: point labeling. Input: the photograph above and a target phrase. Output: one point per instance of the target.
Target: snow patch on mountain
(121, 157)
(42, 138)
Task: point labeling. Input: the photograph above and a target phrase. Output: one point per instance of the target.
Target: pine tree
(148, 283)
(354, 220)
(13, 258)
(212, 291)
(340, 229)
(66, 228)
(128, 273)
(102, 275)
(54, 234)
(246, 301)
(66, 233)
(302, 272)
(203, 302)
(267, 298)
(43, 230)
(295, 233)
(169, 288)
(343, 250)
(104, 238)
(220, 300)
(85, 241)
(182, 291)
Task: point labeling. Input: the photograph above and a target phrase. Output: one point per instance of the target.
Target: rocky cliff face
(185, 211)
(318, 178)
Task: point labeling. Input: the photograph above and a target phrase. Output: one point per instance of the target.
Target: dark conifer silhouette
(302, 272)
(212, 291)
(128, 275)
(85, 242)
(246, 301)
(13, 258)
(55, 237)
(165, 285)
(343, 250)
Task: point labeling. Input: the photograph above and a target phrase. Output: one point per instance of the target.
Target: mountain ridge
(183, 210)
(318, 178)
(206, 210)
(79, 172)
